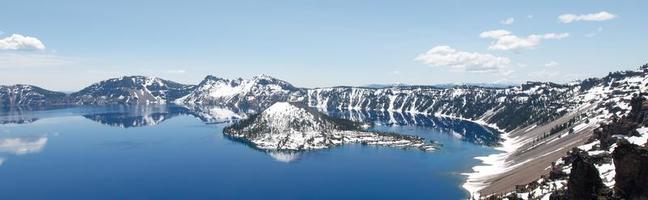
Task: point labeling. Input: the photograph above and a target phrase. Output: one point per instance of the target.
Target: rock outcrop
(631, 163)
(584, 181)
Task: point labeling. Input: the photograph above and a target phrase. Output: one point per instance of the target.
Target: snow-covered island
(292, 126)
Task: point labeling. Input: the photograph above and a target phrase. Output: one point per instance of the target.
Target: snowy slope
(289, 126)
(241, 95)
(131, 90)
(532, 102)
(611, 107)
(27, 95)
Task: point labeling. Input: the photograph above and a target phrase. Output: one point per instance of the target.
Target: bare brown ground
(539, 158)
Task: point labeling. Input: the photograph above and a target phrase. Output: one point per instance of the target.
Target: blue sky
(319, 43)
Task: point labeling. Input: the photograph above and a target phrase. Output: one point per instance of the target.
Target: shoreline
(491, 165)
(500, 172)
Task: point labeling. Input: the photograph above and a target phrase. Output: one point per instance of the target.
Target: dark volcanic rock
(626, 125)
(556, 172)
(631, 163)
(622, 126)
(639, 109)
(584, 181)
(558, 195)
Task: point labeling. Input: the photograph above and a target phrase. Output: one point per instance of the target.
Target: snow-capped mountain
(27, 95)
(539, 122)
(290, 126)
(509, 108)
(131, 90)
(241, 95)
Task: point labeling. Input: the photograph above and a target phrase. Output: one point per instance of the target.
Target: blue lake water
(176, 153)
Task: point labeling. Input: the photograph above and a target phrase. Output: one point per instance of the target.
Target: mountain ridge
(539, 121)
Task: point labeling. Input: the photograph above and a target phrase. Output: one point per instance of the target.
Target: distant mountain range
(531, 102)
(539, 121)
(445, 85)
(124, 90)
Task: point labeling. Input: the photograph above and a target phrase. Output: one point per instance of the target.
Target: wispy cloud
(594, 33)
(505, 40)
(21, 42)
(552, 64)
(508, 21)
(175, 71)
(522, 65)
(600, 16)
(553, 75)
(445, 56)
(23, 60)
(545, 74)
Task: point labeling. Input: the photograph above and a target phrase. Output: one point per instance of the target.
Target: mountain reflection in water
(139, 116)
(460, 129)
(140, 152)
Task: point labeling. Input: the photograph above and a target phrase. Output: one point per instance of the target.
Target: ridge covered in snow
(241, 95)
(539, 121)
(510, 108)
(290, 126)
(28, 95)
(603, 111)
(131, 90)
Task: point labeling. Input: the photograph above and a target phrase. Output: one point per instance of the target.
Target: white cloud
(505, 40)
(601, 16)
(530, 16)
(396, 72)
(445, 56)
(552, 64)
(552, 36)
(20, 42)
(508, 21)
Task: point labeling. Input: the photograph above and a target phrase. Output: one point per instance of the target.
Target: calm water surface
(177, 153)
